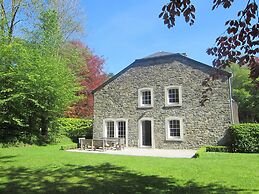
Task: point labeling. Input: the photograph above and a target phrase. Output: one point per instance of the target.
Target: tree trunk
(3, 16)
(44, 126)
(32, 124)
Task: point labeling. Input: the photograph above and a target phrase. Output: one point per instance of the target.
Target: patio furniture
(81, 142)
(85, 143)
(121, 144)
(102, 143)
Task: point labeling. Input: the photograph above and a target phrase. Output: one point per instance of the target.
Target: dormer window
(145, 98)
(173, 96)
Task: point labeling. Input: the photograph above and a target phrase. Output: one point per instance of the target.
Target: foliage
(240, 45)
(19, 16)
(36, 87)
(200, 152)
(205, 149)
(13, 144)
(68, 147)
(217, 149)
(245, 137)
(244, 93)
(48, 33)
(69, 15)
(38, 83)
(75, 128)
(46, 169)
(90, 75)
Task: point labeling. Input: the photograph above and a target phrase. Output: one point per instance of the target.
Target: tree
(38, 85)
(240, 42)
(90, 76)
(245, 94)
(8, 19)
(25, 15)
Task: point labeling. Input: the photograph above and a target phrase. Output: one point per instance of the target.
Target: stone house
(165, 101)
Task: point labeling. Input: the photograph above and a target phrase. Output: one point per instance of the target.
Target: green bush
(14, 137)
(245, 137)
(68, 147)
(217, 149)
(204, 149)
(74, 128)
(13, 144)
(200, 151)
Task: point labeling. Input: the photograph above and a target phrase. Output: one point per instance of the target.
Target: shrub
(74, 128)
(245, 137)
(200, 151)
(68, 147)
(11, 137)
(217, 149)
(13, 144)
(204, 149)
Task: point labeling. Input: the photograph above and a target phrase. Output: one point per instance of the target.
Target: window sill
(173, 105)
(145, 107)
(174, 139)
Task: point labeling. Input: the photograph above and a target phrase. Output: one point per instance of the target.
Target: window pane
(110, 129)
(173, 95)
(146, 97)
(174, 128)
(122, 129)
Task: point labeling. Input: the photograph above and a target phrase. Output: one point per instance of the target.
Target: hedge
(204, 149)
(68, 147)
(245, 137)
(200, 151)
(217, 149)
(75, 128)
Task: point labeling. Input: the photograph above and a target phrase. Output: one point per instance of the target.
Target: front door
(146, 133)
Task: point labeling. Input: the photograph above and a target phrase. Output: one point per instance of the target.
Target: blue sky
(122, 31)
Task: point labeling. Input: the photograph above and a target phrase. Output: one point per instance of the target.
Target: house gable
(165, 57)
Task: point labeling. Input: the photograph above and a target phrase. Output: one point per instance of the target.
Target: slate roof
(158, 54)
(166, 56)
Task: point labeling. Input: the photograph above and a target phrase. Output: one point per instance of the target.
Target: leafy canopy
(38, 85)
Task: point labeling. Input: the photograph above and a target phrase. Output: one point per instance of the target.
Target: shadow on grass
(6, 159)
(104, 178)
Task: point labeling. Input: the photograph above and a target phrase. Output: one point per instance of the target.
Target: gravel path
(145, 152)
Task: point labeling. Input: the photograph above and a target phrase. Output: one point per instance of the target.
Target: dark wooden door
(146, 133)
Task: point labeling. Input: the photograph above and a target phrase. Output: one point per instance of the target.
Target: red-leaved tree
(90, 76)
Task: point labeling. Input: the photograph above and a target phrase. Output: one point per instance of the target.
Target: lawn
(47, 169)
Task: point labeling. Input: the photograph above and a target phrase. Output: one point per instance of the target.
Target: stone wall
(203, 125)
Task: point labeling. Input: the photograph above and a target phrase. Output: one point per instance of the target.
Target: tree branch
(14, 13)
(3, 14)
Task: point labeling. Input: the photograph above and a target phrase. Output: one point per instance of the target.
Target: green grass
(47, 169)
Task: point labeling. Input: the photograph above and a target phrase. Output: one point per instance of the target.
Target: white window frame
(105, 127)
(171, 138)
(116, 127)
(126, 126)
(167, 103)
(140, 104)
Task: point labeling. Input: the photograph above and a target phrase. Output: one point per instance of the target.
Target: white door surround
(140, 127)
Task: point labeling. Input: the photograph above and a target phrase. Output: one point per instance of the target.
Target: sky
(122, 31)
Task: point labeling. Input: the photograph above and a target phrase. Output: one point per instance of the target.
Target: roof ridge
(158, 54)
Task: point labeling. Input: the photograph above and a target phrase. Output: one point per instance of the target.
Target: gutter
(230, 99)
